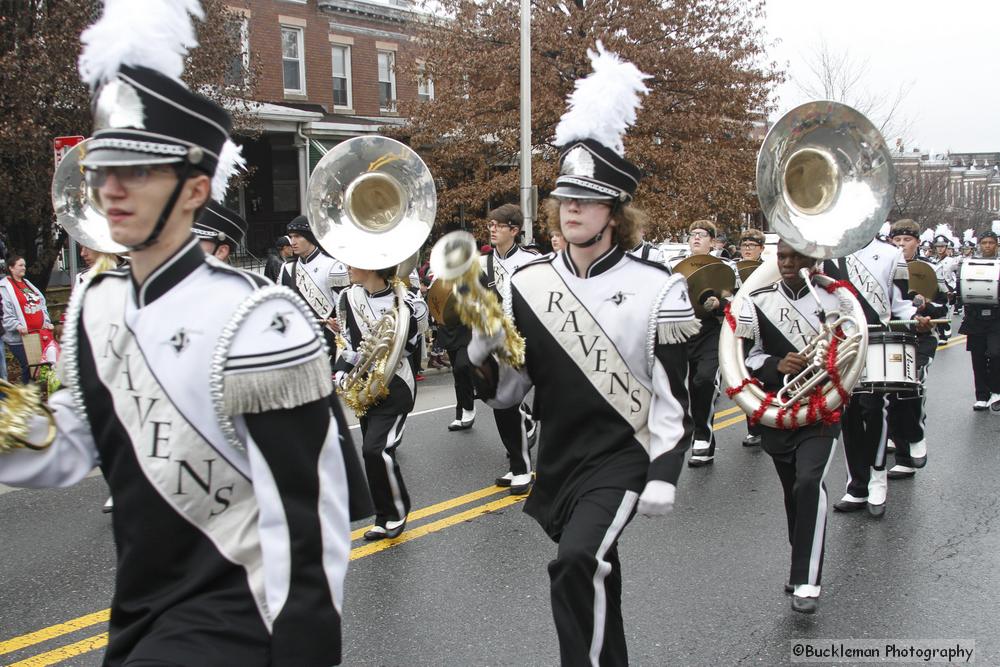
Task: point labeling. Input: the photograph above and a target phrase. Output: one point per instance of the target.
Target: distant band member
(981, 326)
(751, 248)
(315, 276)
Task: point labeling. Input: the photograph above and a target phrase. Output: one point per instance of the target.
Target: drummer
(981, 325)
(907, 409)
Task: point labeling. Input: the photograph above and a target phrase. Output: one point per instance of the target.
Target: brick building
(960, 189)
(329, 72)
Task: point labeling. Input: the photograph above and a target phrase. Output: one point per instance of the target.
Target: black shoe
(519, 487)
(699, 461)
(850, 505)
(382, 533)
(109, 506)
(504, 481)
(804, 605)
(876, 510)
(751, 440)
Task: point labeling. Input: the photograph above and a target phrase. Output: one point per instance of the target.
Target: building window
(341, 76)
(387, 80)
(291, 61)
(238, 28)
(425, 85)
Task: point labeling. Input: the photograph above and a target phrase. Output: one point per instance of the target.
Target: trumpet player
(781, 319)
(907, 414)
(605, 340)
(514, 424)
(879, 275)
(361, 306)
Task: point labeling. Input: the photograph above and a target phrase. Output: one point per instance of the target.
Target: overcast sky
(945, 50)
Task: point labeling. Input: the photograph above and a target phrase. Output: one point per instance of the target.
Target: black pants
(802, 471)
(864, 429)
(586, 580)
(985, 352)
(461, 371)
(382, 434)
(907, 415)
(703, 383)
(512, 425)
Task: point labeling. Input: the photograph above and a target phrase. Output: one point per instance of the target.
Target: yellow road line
(730, 422)
(434, 526)
(953, 342)
(726, 412)
(53, 631)
(444, 506)
(57, 655)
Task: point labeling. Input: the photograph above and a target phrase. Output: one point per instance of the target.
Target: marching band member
(751, 248)
(981, 326)
(605, 335)
(907, 416)
(648, 251)
(219, 230)
(315, 276)
(879, 275)
(184, 378)
(703, 357)
(781, 319)
(360, 307)
(514, 424)
(945, 266)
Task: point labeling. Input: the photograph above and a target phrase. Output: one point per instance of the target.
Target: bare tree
(838, 76)
(921, 193)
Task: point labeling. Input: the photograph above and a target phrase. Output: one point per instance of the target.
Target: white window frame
(391, 81)
(425, 84)
(347, 75)
(300, 33)
(245, 44)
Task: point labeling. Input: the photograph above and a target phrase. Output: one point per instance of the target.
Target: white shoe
(806, 591)
(890, 446)
(109, 505)
(520, 484)
(700, 448)
(981, 405)
(994, 400)
(878, 487)
(466, 422)
(918, 450)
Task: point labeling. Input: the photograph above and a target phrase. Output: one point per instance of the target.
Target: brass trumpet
(455, 259)
(19, 404)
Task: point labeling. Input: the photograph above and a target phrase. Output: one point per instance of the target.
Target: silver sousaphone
(825, 181)
(74, 206)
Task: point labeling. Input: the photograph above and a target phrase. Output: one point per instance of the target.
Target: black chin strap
(167, 210)
(595, 239)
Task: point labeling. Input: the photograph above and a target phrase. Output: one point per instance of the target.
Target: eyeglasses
(582, 203)
(700, 235)
(750, 244)
(130, 177)
(493, 224)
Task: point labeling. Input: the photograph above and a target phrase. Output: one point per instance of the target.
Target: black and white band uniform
(879, 274)
(607, 358)
(514, 423)
(779, 320)
(981, 326)
(648, 251)
(907, 410)
(218, 538)
(382, 426)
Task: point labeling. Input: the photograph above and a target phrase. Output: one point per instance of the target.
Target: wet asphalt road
(702, 586)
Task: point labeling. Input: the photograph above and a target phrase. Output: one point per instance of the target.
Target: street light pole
(527, 194)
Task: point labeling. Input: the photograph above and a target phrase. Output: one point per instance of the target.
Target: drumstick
(901, 323)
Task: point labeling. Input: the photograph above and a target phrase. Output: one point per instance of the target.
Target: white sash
(870, 287)
(187, 472)
(311, 292)
(585, 342)
(786, 317)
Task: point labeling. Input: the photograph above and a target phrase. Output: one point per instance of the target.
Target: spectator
(24, 312)
(276, 258)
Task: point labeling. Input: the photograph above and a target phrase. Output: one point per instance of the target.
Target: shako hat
(218, 223)
(590, 134)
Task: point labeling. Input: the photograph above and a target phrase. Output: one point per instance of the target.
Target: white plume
(231, 160)
(968, 235)
(927, 235)
(604, 103)
(944, 229)
(996, 227)
(152, 33)
(885, 229)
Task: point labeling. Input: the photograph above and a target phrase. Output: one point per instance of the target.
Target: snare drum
(979, 282)
(891, 364)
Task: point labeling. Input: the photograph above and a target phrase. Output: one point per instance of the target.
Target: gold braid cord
(19, 405)
(480, 309)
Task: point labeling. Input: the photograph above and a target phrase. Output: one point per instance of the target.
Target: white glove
(350, 356)
(657, 498)
(338, 378)
(483, 345)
